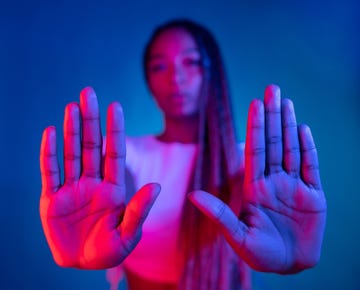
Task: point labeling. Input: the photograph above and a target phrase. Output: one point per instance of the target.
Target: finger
(49, 166)
(72, 143)
(291, 138)
(255, 142)
(135, 214)
(309, 159)
(91, 133)
(114, 170)
(273, 129)
(233, 229)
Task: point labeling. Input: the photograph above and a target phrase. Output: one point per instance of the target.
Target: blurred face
(175, 73)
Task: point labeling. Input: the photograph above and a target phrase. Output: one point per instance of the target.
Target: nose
(176, 74)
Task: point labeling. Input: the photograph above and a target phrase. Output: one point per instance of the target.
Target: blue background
(50, 50)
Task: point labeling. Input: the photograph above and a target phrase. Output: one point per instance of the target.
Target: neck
(183, 130)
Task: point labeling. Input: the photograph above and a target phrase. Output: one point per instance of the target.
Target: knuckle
(91, 145)
(255, 151)
(276, 139)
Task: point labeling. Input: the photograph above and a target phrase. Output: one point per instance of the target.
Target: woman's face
(175, 73)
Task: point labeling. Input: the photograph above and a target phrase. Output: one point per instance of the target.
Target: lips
(178, 97)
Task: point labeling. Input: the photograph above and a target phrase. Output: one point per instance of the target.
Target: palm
(284, 220)
(91, 217)
(86, 221)
(281, 225)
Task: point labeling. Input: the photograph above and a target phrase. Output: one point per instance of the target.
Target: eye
(192, 61)
(157, 67)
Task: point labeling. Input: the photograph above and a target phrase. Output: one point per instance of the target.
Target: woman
(263, 208)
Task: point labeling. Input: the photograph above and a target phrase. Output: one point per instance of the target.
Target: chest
(172, 168)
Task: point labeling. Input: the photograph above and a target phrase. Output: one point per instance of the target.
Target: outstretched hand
(280, 228)
(86, 221)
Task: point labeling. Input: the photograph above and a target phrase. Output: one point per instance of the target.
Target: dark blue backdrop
(50, 50)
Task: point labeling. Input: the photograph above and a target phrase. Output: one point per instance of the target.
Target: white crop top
(157, 257)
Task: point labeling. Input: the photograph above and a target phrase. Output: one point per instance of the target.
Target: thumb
(220, 213)
(136, 212)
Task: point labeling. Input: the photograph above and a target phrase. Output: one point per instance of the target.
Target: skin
(88, 224)
(86, 221)
(175, 78)
(283, 220)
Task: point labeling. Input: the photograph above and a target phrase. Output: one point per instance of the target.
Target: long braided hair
(208, 264)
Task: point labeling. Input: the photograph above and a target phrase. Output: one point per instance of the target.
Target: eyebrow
(186, 51)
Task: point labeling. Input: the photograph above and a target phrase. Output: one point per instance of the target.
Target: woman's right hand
(86, 221)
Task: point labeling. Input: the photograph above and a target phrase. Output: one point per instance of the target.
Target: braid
(209, 263)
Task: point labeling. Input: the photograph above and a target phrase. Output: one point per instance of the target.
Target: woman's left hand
(280, 228)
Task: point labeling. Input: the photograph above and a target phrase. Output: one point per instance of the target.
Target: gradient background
(49, 51)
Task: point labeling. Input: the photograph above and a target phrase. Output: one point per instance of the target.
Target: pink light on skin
(175, 73)
(88, 224)
(86, 221)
